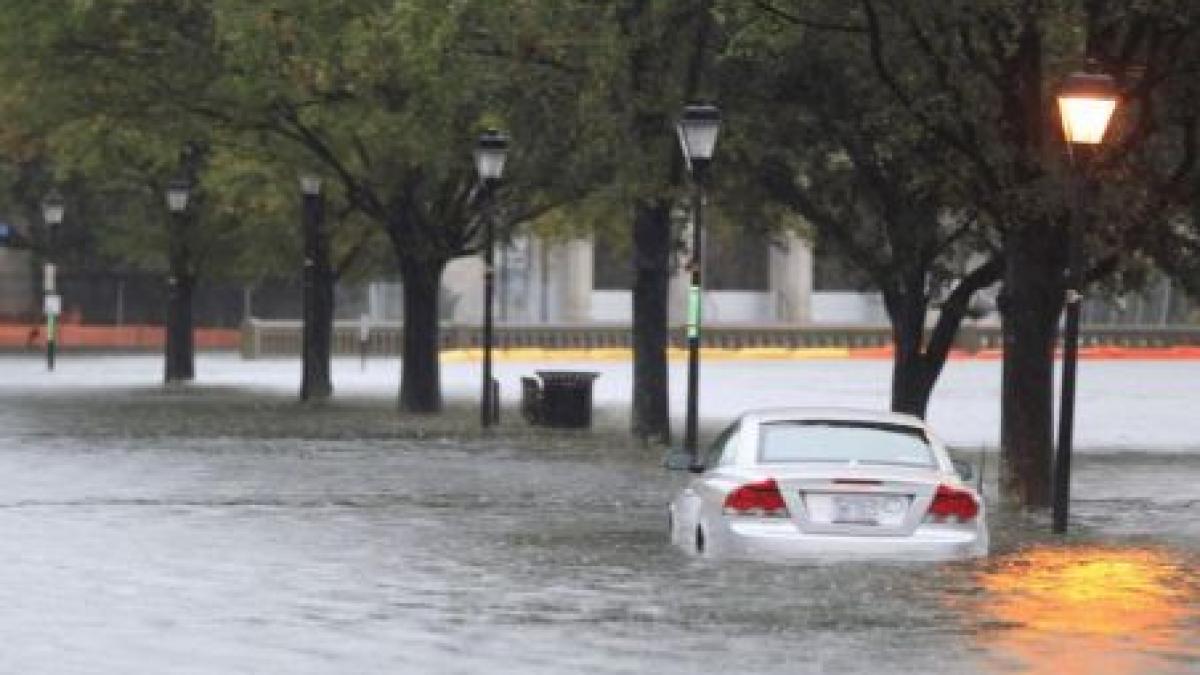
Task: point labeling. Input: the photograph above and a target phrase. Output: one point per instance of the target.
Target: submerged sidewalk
(1122, 404)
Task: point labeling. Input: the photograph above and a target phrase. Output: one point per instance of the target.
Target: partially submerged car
(831, 483)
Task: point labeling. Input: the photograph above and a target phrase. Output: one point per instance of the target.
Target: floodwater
(213, 530)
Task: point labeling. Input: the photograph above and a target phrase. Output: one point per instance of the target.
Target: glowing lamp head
(1086, 102)
(491, 153)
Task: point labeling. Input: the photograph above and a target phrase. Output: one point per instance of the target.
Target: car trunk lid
(859, 499)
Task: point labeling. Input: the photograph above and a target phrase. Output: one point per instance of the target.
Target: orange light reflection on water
(1090, 609)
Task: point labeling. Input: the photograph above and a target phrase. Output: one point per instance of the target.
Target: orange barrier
(1177, 353)
(26, 336)
(868, 353)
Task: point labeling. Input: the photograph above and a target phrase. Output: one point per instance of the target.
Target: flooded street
(217, 530)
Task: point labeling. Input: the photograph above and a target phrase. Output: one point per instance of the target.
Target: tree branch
(797, 20)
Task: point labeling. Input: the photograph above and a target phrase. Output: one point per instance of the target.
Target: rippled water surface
(215, 531)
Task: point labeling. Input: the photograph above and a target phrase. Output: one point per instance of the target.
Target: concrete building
(583, 281)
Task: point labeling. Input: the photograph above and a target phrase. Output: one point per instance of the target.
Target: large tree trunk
(651, 286)
(315, 382)
(1032, 302)
(912, 375)
(420, 376)
(913, 379)
(920, 355)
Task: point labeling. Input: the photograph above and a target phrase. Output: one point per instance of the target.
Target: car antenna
(982, 468)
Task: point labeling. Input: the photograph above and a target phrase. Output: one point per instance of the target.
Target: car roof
(800, 414)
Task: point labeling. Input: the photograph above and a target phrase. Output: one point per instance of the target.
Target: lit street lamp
(53, 210)
(178, 365)
(698, 129)
(1086, 102)
(491, 152)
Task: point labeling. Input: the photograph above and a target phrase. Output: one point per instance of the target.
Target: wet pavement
(218, 530)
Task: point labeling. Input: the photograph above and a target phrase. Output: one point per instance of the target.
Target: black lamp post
(1086, 102)
(315, 380)
(698, 129)
(53, 210)
(178, 365)
(491, 152)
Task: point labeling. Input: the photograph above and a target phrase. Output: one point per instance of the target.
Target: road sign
(53, 304)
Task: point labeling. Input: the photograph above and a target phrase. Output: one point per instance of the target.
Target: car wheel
(700, 540)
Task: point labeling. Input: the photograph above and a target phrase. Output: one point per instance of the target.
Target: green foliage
(949, 100)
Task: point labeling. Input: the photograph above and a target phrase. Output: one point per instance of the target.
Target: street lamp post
(314, 381)
(178, 333)
(1086, 102)
(491, 152)
(53, 210)
(698, 128)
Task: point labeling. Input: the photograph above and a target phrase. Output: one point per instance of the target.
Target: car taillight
(761, 499)
(953, 503)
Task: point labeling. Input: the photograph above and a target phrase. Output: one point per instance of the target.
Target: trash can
(531, 400)
(566, 399)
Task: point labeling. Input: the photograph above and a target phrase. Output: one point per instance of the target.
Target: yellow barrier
(609, 354)
(619, 354)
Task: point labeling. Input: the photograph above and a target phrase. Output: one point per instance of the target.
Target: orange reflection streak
(1090, 609)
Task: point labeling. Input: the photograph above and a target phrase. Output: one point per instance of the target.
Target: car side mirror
(678, 460)
(964, 468)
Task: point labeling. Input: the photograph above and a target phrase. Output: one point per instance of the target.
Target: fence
(104, 298)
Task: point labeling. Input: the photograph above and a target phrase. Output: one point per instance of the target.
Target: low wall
(259, 338)
(282, 338)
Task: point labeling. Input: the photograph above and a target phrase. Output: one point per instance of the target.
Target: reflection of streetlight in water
(1091, 609)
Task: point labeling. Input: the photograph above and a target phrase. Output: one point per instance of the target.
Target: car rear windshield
(844, 441)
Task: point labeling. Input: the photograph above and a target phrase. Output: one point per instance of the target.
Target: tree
(635, 64)
(383, 97)
(103, 133)
(818, 138)
(388, 99)
(976, 76)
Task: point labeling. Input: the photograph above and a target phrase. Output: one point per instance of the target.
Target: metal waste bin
(531, 400)
(566, 398)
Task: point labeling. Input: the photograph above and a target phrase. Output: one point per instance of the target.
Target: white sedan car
(828, 483)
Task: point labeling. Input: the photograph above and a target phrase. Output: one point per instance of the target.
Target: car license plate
(873, 509)
(857, 509)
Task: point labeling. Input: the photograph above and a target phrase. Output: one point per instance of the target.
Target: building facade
(583, 280)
